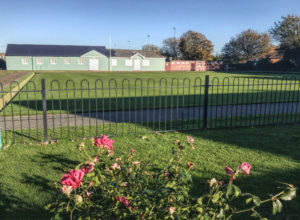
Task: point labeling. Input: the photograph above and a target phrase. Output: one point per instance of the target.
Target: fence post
(205, 102)
(44, 111)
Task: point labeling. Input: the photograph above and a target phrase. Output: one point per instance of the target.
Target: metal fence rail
(53, 110)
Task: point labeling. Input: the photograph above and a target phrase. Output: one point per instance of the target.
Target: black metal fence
(44, 111)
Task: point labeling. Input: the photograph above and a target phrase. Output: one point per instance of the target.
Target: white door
(94, 64)
(137, 65)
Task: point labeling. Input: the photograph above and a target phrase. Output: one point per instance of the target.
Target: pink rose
(116, 166)
(105, 142)
(190, 139)
(245, 167)
(125, 184)
(123, 200)
(172, 210)
(228, 171)
(95, 160)
(89, 168)
(212, 182)
(66, 189)
(73, 178)
(166, 173)
(133, 151)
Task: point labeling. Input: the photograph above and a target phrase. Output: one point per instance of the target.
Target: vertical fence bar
(4, 118)
(205, 102)
(28, 117)
(44, 101)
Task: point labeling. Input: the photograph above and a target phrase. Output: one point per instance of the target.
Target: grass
(122, 90)
(30, 169)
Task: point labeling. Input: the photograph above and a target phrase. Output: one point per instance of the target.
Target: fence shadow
(78, 105)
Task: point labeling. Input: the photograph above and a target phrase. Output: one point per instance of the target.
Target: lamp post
(148, 42)
(175, 57)
(129, 44)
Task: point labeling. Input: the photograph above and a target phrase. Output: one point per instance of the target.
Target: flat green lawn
(140, 90)
(29, 171)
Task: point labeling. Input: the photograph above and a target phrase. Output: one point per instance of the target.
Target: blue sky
(91, 22)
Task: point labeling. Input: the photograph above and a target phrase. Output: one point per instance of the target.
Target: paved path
(6, 80)
(64, 120)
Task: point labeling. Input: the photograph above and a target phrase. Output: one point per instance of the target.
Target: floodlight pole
(110, 66)
(175, 57)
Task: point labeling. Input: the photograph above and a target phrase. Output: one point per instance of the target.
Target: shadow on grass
(12, 207)
(281, 140)
(261, 185)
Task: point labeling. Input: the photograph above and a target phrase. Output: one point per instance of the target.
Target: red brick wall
(188, 65)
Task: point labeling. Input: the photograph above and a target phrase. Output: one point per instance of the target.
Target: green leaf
(279, 205)
(199, 200)
(229, 191)
(199, 209)
(256, 214)
(221, 213)
(90, 174)
(248, 200)
(57, 217)
(216, 197)
(256, 200)
(274, 208)
(289, 195)
(237, 191)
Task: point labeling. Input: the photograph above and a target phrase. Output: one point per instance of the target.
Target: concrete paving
(151, 115)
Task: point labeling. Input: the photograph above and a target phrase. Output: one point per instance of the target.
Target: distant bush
(2, 64)
(245, 66)
(284, 65)
(264, 64)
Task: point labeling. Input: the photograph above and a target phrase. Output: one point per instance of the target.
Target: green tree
(287, 33)
(246, 46)
(195, 46)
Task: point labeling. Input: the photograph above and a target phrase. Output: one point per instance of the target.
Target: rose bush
(108, 187)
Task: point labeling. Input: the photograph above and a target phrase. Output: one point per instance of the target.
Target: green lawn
(134, 90)
(26, 183)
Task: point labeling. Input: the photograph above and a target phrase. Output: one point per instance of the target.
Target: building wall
(15, 63)
(186, 65)
(155, 64)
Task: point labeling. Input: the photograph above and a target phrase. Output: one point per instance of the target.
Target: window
(128, 62)
(114, 62)
(67, 60)
(146, 62)
(80, 61)
(39, 60)
(53, 60)
(24, 60)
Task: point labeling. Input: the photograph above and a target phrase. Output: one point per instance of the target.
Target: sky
(93, 22)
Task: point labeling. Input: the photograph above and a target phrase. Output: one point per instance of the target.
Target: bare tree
(171, 48)
(151, 47)
(246, 46)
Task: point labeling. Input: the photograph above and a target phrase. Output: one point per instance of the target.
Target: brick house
(193, 65)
